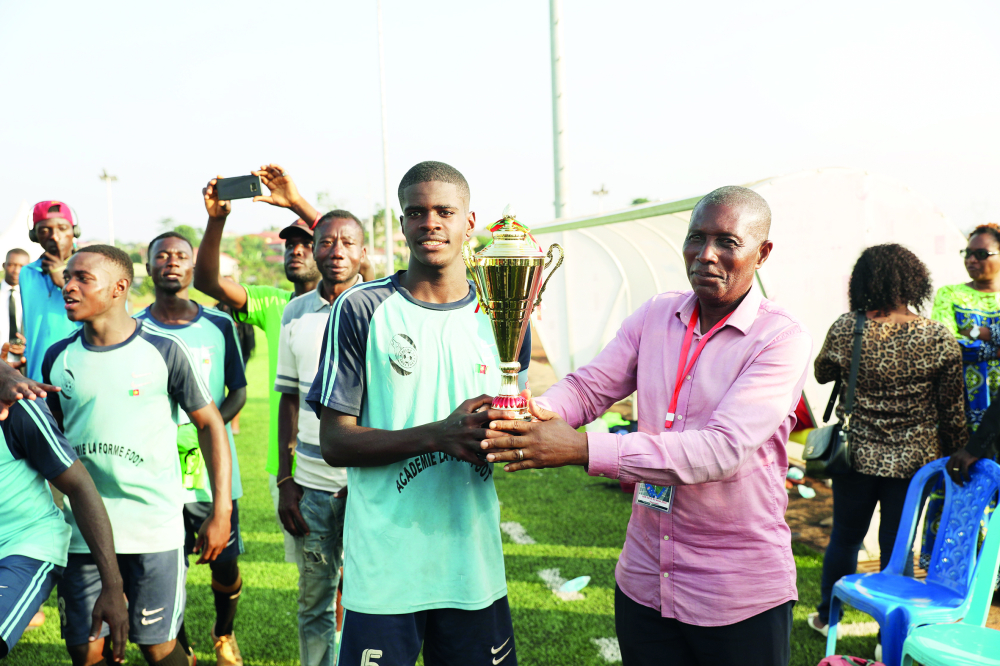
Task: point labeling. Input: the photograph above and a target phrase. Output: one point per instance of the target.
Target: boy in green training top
(262, 305)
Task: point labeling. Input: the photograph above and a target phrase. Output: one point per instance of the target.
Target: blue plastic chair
(900, 603)
(968, 643)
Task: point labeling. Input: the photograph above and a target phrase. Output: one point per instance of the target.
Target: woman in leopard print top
(908, 403)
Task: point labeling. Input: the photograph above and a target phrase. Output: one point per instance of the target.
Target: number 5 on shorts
(368, 655)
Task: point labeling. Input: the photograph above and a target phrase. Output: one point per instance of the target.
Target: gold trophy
(508, 277)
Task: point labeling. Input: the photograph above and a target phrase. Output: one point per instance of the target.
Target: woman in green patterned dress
(971, 311)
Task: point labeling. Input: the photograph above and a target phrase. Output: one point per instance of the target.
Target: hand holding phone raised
(217, 208)
(281, 187)
(240, 187)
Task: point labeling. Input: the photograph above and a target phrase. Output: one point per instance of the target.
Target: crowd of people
(382, 440)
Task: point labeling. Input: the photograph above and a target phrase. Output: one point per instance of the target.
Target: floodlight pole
(390, 259)
(558, 113)
(111, 219)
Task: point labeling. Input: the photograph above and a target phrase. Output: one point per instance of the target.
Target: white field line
(608, 648)
(553, 580)
(516, 533)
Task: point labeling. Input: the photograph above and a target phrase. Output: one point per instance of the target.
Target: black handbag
(828, 449)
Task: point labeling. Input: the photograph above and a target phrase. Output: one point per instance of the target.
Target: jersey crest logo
(402, 354)
(68, 384)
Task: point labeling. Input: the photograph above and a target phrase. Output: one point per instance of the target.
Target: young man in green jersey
(402, 389)
(211, 337)
(121, 381)
(34, 535)
(262, 305)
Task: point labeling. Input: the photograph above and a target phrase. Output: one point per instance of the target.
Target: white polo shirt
(302, 328)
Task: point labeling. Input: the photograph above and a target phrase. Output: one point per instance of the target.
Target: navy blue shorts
(196, 513)
(450, 637)
(25, 584)
(154, 587)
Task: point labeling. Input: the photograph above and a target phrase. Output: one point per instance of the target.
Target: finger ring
(954, 469)
(520, 454)
(284, 173)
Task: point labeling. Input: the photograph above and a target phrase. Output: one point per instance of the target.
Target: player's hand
(216, 209)
(212, 538)
(289, 496)
(15, 349)
(14, 386)
(283, 192)
(546, 441)
(110, 607)
(54, 265)
(958, 466)
(460, 434)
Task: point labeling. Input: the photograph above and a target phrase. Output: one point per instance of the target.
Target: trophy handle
(562, 255)
(470, 262)
(469, 256)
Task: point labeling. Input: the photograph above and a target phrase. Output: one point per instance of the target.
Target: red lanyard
(682, 369)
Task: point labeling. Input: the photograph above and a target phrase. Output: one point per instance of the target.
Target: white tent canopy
(821, 221)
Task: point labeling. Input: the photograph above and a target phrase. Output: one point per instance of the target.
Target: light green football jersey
(425, 532)
(211, 337)
(118, 404)
(32, 449)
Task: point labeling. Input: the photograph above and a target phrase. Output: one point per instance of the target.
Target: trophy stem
(508, 398)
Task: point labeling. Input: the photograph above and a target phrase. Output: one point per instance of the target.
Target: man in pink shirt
(706, 575)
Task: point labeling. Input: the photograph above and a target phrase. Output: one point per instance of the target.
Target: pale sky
(664, 100)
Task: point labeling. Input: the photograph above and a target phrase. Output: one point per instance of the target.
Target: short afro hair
(887, 276)
(426, 172)
(340, 214)
(735, 196)
(165, 235)
(990, 228)
(119, 258)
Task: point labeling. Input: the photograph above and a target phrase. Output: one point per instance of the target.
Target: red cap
(42, 211)
(299, 226)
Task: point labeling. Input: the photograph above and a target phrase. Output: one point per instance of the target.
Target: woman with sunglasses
(971, 311)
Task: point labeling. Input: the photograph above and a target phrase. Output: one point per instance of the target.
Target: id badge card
(660, 498)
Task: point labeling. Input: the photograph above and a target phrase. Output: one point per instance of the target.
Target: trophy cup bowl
(508, 277)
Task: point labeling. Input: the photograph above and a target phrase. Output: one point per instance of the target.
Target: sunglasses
(981, 255)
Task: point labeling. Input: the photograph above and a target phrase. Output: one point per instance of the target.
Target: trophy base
(513, 405)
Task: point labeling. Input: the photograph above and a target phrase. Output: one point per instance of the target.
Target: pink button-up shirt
(724, 552)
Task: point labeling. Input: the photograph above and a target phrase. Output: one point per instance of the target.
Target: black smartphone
(240, 187)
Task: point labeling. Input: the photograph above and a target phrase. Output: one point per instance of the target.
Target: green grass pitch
(577, 521)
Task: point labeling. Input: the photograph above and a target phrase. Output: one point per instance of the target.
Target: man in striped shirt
(312, 499)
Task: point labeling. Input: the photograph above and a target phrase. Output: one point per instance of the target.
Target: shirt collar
(319, 302)
(742, 318)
